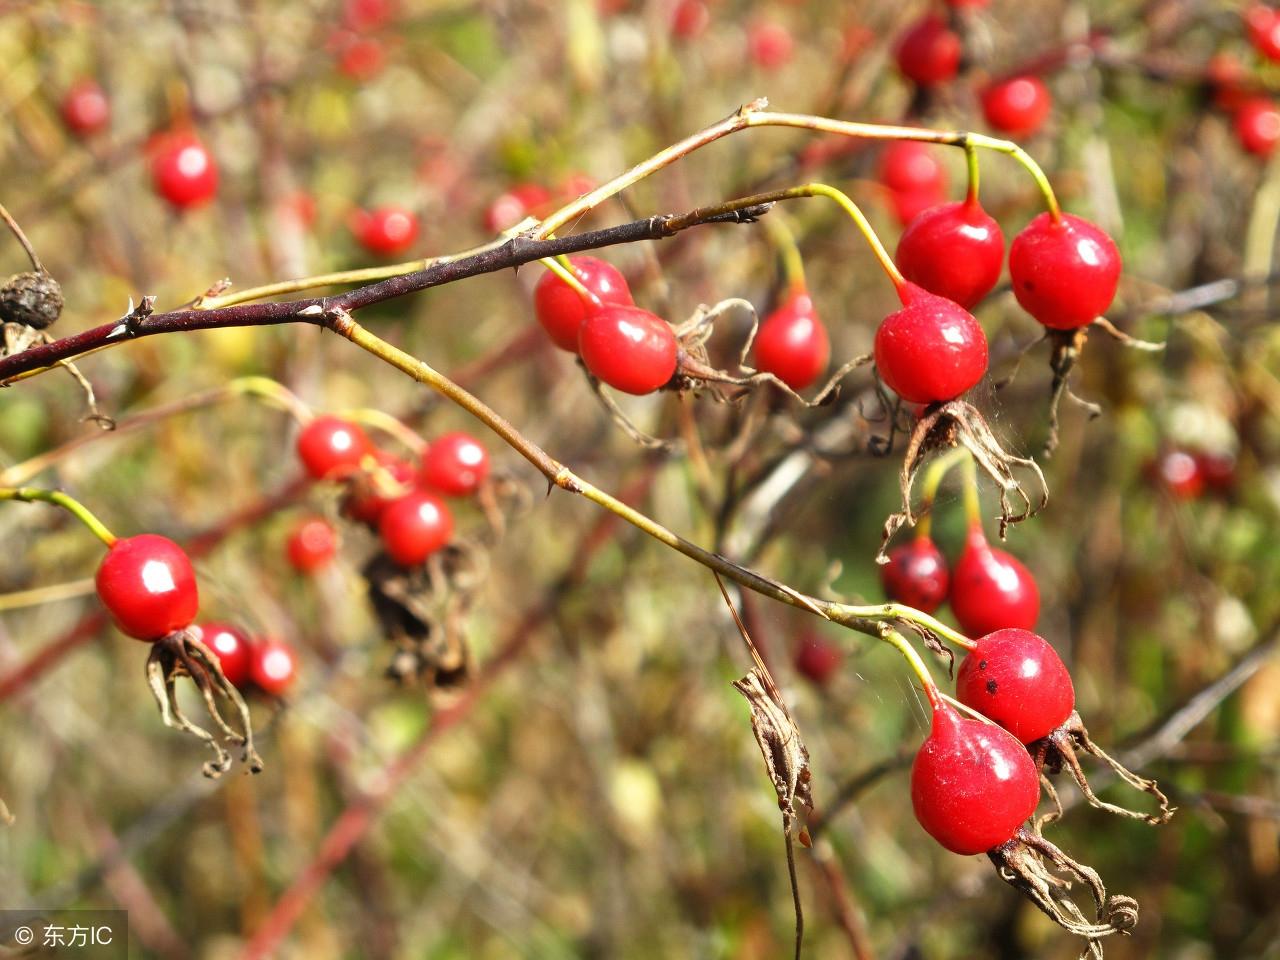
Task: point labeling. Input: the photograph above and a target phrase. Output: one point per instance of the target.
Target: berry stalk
(66, 502)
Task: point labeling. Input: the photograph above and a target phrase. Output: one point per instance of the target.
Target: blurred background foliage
(602, 795)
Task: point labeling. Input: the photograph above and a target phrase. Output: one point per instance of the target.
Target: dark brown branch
(318, 310)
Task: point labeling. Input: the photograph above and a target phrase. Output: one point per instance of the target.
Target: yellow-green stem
(864, 225)
(971, 164)
(264, 388)
(933, 477)
(66, 502)
(918, 667)
(563, 269)
(972, 505)
(381, 420)
(784, 240)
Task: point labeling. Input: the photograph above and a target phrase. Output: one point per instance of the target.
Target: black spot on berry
(982, 664)
(991, 687)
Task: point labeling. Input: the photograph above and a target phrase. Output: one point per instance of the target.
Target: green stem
(972, 505)
(971, 163)
(918, 667)
(563, 269)
(265, 388)
(864, 225)
(66, 502)
(933, 477)
(784, 240)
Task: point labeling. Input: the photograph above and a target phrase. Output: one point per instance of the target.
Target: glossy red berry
(85, 109)
(930, 351)
(275, 667)
(769, 44)
(148, 585)
(1180, 473)
(386, 231)
(916, 575)
(376, 489)
(916, 180)
(1262, 24)
(991, 589)
(955, 250)
(972, 783)
(1257, 126)
(928, 53)
(233, 648)
(1018, 106)
(330, 446)
(312, 545)
(455, 465)
(1064, 272)
(183, 171)
(689, 19)
(1016, 679)
(414, 527)
(629, 349)
(560, 309)
(514, 205)
(817, 659)
(792, 343)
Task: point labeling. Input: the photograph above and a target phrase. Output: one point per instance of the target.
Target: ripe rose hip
(364, 16)
(1262, 24)
(232, 647)
(630, 349)
(1016, 679)
(955, 250)
(930, 351)
(359, 58)
(386, 231)
(1180, 473)
(818, 659)
(330, 446)
(414, 527)
(275, 667)
(85, 109)
(915, 179)
(1218, 469)
(792, 343)
(1257, 126)
(312, 544)
(928, 53)
(455, 465)
(972, 783)
(514, 205)
(1064, 272)
(991, 589)
(1017, 106)
(690, 19)
(770, 45)
(916, 575)
(373, 492)
(148, 585)
(560, 309)
(183, 171)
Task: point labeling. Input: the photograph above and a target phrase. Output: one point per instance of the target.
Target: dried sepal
(182, 654)
(1059, 750)
(1024, 863)
(957, 423)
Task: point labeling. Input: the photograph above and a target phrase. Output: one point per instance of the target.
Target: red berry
(386, 231)
(148, 585)
(1179, 472)
(1257, 126)
(232, 647)
(970, 4)
(628, 348)
(183, 171)
(908, 166)
(991, 589)
(928, 53)
(818, 659)
(561, 309)
(366, 15)
(1017, 106)
(1263, 27)
(1227, 80)
(792, 343)
(331, 446)
(514, 205)
(690, 19)
(360, 58)
(909, 204)
(312, 544)
(374, 491)
(414, 527)
(85, 109)
(1064, 272)
(972, 783)
(955, 250)
(769, 44)
(275, 666)
(1016, 679)
(916, 575)
(1219, 470)
(455, 465)
(930, 351)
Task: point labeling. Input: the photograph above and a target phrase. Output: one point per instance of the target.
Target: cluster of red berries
(620, 344)
(1255, 116)
(360, 55)
(532, 199)
(989, 588)
(386, 492)
(148, 585)
(1189, 474)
